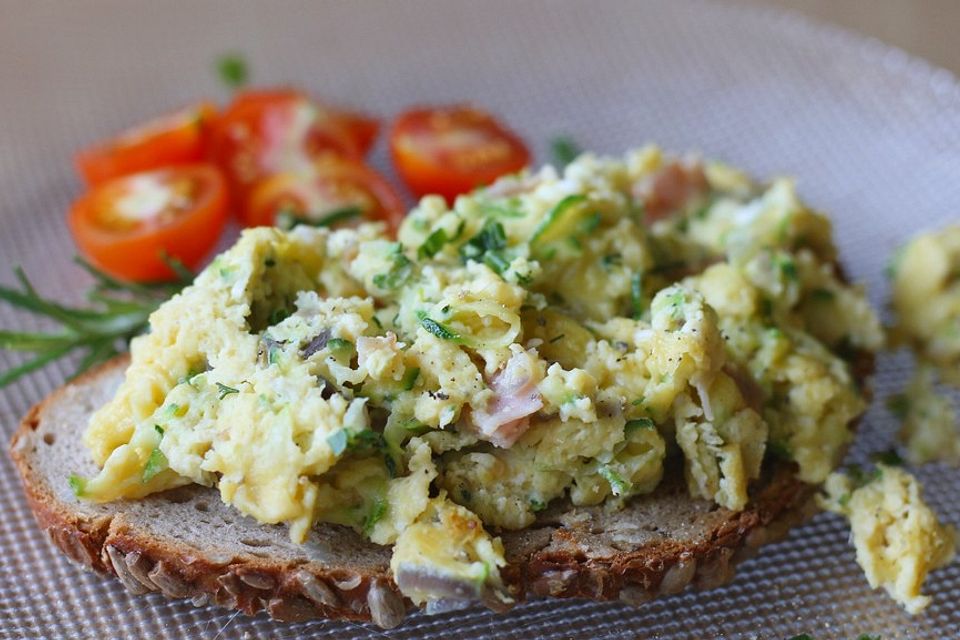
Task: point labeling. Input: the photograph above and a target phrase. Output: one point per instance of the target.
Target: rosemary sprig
(118, 312)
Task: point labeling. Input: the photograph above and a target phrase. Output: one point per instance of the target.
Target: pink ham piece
(515, 398)
(670, 188)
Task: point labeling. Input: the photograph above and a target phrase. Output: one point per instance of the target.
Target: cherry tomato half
(126, 225)
(332, 191)
(452, 150)
(282, 130)
(173, 139)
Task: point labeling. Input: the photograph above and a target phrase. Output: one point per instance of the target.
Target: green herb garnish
(564, 151)
(401, 268)
(552, 225)
(636, 296)
(224, 391)
(376, 515)
(410, 378)
(822, 295)
(437, 329)
(860, 477)
(488, 246)
(119, 311)
(433, 244)
(788, 268)
(339, 344)
(233, 70)
(156, 463)
(618, 485)
(77, 484)
(537, 505)
(890, 457)
(639, 423)
(287, 219)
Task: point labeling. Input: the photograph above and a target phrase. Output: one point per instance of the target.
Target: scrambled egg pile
(925, 276)
(548, 337)
(897, 536)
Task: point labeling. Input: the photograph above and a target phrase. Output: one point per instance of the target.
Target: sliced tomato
(359, 126)
(173, 139)
(127, 225)
(331, 192)
(282, 130)
(452, 150)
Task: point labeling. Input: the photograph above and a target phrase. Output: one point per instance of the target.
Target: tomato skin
(172, 139)
(361, 127)
(330, 184)
(451, 150)
(133, 249)
(282, 130)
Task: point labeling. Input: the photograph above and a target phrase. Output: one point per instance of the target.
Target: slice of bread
(186, 543)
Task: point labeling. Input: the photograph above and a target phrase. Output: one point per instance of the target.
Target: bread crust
(561, 555)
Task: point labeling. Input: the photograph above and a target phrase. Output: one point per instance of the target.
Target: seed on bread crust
(315, 589)
(386, 606)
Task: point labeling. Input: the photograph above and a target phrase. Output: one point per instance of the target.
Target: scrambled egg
(897, 537)
(548, 337)
(925, 277)
(926, 300)
(929, 421)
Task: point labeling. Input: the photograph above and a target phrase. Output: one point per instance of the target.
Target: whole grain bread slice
(186, 543)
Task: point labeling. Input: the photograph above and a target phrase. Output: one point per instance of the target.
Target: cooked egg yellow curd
(550, 337)
(925, 278)
(897, 536)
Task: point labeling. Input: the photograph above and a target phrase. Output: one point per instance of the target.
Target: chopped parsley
(410, 378)
(822, 295)
(362, 441)
(890, 457)
(788, 268)
(375, 515)
(488, 246)
(552, 224)
(437, 329)
(401, 268)
(537, 505)
(618, 485)
(77, 484)
(156, 463)
(233, 70)
(860, 477)
(564, 151)
(339, 344)
(433, 244)
(636, 296)
(639, 423)
(611, 260)
(225, 391)
(287, 219)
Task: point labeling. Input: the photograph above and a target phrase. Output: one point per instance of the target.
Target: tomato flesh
(127, 225)
(333, 191)
(173, 139)
(452, 150)
(280, 131)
